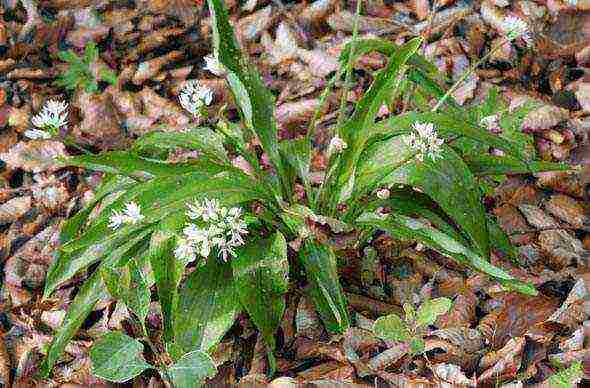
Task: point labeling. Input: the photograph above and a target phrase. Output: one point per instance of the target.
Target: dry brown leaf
(34, 156)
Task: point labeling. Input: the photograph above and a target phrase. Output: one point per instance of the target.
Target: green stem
(466, 74)
(348, 77)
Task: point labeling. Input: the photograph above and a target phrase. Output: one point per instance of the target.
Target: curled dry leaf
(34, 156)
(250, 27)
(517, 314)
(576, 307)
(504, 364)
(544, 117)
(14, 209)
(569, 210)
(452, 374)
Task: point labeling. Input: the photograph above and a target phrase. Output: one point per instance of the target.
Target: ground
(489, 337)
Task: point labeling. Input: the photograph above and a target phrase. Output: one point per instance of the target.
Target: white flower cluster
(425, 141)
(131, 214)
(514, 27)
(216, 227)
(53, 116)
(193, 96)
(490, 122)
(213, 65)
(336, 146)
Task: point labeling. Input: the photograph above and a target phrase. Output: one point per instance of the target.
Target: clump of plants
(416, 176)
(79, 74)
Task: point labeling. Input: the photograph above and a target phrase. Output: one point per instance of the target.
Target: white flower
(53, 115)
(490, 122)
(35, 134)
(216, 227)
(193, 96)
(383, 193)
(514, 27)
(184, 251)
(425, 141)
(213, 65)
(131, 215)
(116, 220)
(337, 145)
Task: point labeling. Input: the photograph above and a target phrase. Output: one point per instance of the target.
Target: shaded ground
(489, 336)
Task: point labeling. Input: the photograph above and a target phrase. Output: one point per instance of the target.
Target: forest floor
(489, 337)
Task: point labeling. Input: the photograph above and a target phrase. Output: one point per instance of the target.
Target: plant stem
(466, 74)
(348, 76)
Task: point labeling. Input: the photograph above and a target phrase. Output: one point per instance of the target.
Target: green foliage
(117, 357)
(79, 74)
(567, 378)
(436, 201)
(410, 329)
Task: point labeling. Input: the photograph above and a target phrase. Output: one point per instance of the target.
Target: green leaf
(130, 164)
(325, 290)
(91, 292)
(67, 264)
(252, 96)
(483, 165)
(90, 53)
(207, 306)
(447, 180)
(137, 297)
(354, 131)
(117, 357)
(202, 139)
(430, 310)
(297, 153)
(567, 378)
(261, 274)
(404, 227)
(167, 270)
(160, 197)
(448, 125)
(108, 75)
(417, 345)
(391, 328)
(191, 370)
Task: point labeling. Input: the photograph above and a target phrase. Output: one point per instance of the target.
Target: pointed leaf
(91, 292)
(260, 272)
(482, 165)
(200, 139)
(207, 307)
(253, 97)
(325, 290)
(167, 270)
(117, 357)
(405, 227)
(447, 180)
(191, 370)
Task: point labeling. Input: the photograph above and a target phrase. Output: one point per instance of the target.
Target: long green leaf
(325, 290)
(447, 180)
(341, 178)
(203, 139)
(405, 227)
(128, 163)
(167, 271)
(261, 274)
(483, 165)
(207, 307)
(252, 96)
(91, 292)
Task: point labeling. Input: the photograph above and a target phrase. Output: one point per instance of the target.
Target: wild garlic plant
(416, 175)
